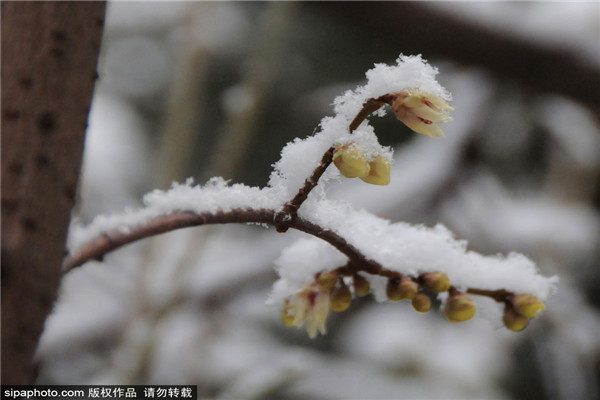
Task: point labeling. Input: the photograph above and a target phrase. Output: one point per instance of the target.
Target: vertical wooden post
(49, 57)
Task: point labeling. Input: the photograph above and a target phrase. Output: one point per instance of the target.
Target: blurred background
(198, 89)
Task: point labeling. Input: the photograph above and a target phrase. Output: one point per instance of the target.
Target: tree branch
(109, 241)
(97, 248)
(290, 209)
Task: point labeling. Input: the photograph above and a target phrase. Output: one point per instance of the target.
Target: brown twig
(290, 209)
(109, 241)
(369, 107)
(357, 261)
(500, 295)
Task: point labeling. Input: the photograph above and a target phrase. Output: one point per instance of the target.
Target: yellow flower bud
(328, 279)
(351, 162)
(528, 305)
(341, 297)
(437, 282)
(408, 288)
(400, 289)
(459, 307)
(379, 173)
(393, 290)
(421, 302)
(362, 287)
(513, 320)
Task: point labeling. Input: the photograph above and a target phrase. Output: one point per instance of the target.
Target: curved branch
(109, 241)
(97, 248)
(282, 220)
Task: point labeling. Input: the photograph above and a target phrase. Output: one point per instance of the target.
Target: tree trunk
(49, 56)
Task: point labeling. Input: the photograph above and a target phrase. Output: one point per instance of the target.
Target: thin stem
(369, 107)
(290, 209)
(500, 295)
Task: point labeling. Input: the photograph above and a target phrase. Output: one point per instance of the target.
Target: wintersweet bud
(362, 287)
(421, 302)
(436, 282)
(421, 111)
(379, 172)
(351, 162)
(513, 320)
(309, 308)
(392, 290)
(341, 297)
(528, 305)
(328, 279)
(408, 288)
(459, 307)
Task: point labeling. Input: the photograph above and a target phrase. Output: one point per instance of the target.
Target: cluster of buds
(405, 288)
(459, 306)
(519, 309)
(353, 163)
(311, 305)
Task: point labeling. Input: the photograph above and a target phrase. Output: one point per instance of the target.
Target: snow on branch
(358, 253)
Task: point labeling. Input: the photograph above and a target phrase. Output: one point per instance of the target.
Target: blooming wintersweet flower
(308, 308)
(421, 111)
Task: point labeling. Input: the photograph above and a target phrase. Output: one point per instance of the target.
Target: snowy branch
(358, 262)
(393, 261)
(96, 249)
(290, 210)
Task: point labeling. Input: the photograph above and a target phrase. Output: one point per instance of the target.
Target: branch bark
(109, 241)
(49, 57)
(97, 248)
